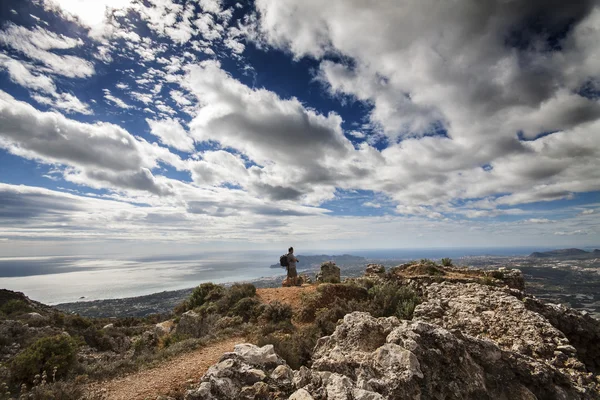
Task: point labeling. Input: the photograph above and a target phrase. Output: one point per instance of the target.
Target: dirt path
(169, 377)
(174, 375)
(287, 295)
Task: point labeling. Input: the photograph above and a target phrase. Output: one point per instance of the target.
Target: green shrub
(326, 295)
(276, 312)
(497, 274)
(391, 299)
(296, 348)
(97, 339)
(45, 355)
(55, 391)
(446, 262)
(427, 261)
(249, 308)
(326, 318)
(15, 307)
(171, 339)
(205, 293)
(234, 294)
(433, 271)
(487, 280)
(77, 322)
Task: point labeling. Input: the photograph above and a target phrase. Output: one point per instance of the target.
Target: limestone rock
(330, 273)
(375, 270)
(163, 328)
(301, 394)
(190, 324)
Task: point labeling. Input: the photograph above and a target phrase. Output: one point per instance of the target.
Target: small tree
(446, 262)
(55, 353)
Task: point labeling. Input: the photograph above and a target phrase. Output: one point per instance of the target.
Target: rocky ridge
(467, 340)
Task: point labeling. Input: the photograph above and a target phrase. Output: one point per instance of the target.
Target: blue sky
(207, 124)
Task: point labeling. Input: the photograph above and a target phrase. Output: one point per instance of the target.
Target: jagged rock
(248, 372)
(490, 312)
(191, 324)
(583, 331)
(405, 360)
(466, 341)
(163, 328)
(33, 315)
(330, 273)
(375, 270)
(301, 394)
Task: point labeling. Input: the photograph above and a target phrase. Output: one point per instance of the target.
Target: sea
(61, 279)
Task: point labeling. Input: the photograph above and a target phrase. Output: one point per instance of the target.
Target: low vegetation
(54, 353)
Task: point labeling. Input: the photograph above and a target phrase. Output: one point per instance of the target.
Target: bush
(487, 280)
(446, 262)
(205, 293)
(49, 353)
(390, 299)
(326, 318)
(15, 307)
(234, 294)
(77, 322)
(296, 348)
(56, 390)
(326, 295)
(433, 270)
(497, 274)
(276, 312)
(248, 308)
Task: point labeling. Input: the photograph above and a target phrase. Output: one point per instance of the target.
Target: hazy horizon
(59, 279)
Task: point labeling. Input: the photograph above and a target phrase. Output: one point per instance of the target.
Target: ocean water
(61, 279)
(53, 280)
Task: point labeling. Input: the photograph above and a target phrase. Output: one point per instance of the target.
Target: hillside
(393, 334)
(565, 253)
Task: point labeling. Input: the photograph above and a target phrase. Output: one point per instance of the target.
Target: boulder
(330, 273)
(191, 324)
(375, 270)
(163, 328)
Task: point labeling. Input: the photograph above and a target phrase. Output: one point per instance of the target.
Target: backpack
(283, 261)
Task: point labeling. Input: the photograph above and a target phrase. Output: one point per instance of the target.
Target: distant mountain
(307, 261)
(564, 253)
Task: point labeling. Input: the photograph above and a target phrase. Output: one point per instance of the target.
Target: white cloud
(448, 72)
(171, 133)
(37, 45)
(66, 102)
(92, 14)
(98, 152)
(115, 100)
(21, 74)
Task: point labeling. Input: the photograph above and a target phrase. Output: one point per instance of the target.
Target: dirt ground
(176, 374)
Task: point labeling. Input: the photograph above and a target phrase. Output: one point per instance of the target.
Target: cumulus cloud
(171, 133)
(101, 151)
(465, 93)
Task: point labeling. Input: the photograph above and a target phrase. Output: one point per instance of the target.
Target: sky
(152, 126)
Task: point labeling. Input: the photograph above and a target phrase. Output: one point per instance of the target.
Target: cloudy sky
(214, 124)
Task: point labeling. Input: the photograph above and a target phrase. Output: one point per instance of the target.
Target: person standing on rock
(292, 274)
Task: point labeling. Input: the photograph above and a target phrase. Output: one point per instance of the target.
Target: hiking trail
(175, 375)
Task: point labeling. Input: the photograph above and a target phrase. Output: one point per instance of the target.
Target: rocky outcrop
(249, 372)
(330, 273)
(375, 270)
(368, 358)
(466, 341)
